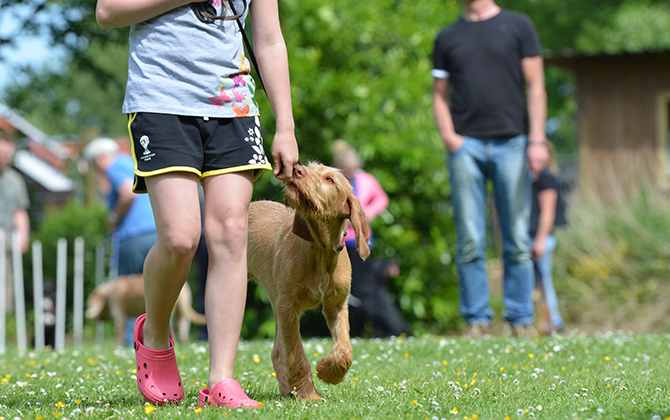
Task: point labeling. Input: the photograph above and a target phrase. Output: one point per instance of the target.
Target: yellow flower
(256, 359)
(40, 417)
(608, 358)
(198, 410)
(355, 379)
(60, 404)
(475, 416)
(149, 408)
(406, 355)
(274, 374)
(445, 363)
(531, 355)
(415, 402)
(502, 368)
(57, 414)
(77, 401)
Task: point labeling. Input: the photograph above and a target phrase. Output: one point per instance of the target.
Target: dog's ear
(96, 305)
(360, 224)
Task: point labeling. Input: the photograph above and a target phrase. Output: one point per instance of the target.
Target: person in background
(483, 65)
(373, 200)
(130, 216)
(14, 217)
(547, 213)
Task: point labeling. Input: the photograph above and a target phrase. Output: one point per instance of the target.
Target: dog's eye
(329, 179)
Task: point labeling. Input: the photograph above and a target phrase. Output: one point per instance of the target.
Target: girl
(547, 212)
(193, 118)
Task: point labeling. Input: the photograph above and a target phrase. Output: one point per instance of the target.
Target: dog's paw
(331, 372)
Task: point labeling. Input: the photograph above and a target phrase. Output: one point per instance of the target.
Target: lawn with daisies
(610, 376)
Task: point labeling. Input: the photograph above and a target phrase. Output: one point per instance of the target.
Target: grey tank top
(181, 66)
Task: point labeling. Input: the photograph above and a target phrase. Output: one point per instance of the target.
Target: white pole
(78, 303)
(61, 290)
(99, 277)
(38, 294)
(19, 295)
(3, 292)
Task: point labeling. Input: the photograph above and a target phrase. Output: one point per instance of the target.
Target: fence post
(38, 294)
(61, 289)
(78, 305)
(3, 292)
(99, 278)
(19, 294)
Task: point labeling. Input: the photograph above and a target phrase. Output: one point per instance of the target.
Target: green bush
(70, 221)
(611, 264)
(360, 72)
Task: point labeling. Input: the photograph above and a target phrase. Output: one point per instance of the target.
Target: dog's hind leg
(299, 371)
(333, 368)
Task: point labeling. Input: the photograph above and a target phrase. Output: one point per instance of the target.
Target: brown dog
(123, 297)
(298, 256)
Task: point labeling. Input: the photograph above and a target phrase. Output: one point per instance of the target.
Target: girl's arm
(547, 200)
(375, 199)
(270, 50)
(116, 13)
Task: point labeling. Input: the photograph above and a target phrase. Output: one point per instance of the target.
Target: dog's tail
(184, 306)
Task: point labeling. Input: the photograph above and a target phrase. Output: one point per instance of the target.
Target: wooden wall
(618, 99)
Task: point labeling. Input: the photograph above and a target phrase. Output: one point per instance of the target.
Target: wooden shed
(623, 103)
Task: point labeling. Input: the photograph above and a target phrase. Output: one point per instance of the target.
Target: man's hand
(284, 154)
(454, 142)
(538, 155)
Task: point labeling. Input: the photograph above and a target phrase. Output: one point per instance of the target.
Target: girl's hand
(284, 154)
(539, 249)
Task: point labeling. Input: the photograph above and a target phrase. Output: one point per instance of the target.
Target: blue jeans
(131, 255)
(545, 266)
(503, 161)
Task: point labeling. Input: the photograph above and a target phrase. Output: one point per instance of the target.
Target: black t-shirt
(546, 181)
(483, 62)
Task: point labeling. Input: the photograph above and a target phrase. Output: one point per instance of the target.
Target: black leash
(206, 13)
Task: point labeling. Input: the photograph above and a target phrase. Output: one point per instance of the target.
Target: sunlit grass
(610, 376)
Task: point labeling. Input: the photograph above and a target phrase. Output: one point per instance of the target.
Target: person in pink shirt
(374, 201)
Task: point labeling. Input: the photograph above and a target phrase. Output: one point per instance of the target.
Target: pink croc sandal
(157, 373)
(227, 393)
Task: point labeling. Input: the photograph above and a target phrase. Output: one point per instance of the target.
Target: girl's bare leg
(227, 199)
(174, 199)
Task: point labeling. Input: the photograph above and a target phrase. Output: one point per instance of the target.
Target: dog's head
(325, 200)
(97, 304)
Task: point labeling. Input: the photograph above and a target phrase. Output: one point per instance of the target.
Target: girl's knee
(182, 245)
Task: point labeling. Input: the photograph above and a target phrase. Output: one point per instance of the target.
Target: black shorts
(163, 143)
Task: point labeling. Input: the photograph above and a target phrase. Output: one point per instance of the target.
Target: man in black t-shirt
(483, 63)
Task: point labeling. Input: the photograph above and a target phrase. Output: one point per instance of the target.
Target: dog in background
(297, 255)
(123, 297)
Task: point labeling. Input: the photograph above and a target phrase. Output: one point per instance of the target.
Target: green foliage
(635, 27)
(360, 71)
(71, 221)
(611, 265)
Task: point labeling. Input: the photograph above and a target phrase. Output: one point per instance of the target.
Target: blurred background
(360, 71)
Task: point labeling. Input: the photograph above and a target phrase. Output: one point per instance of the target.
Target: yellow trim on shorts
(258, 170)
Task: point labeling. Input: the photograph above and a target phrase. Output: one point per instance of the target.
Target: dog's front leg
(279, 363)
(298, 369)
(333, 368)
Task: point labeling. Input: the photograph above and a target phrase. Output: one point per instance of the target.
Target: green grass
(612, 376)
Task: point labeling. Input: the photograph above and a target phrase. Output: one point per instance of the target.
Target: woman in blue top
(193, 118)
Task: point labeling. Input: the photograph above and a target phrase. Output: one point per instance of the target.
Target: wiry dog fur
(123, 297)
(296, 254)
